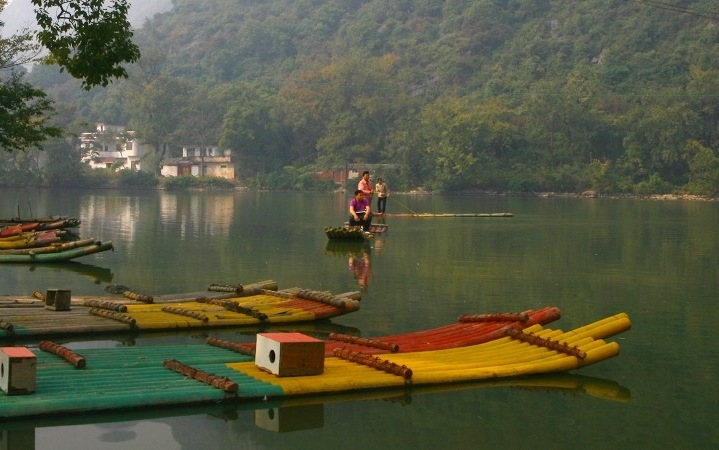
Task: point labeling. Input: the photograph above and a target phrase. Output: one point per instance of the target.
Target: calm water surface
(657, 261)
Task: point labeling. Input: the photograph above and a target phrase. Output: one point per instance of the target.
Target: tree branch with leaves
(89, 39)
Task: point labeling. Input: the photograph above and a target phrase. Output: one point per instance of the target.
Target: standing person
(360, 211)
(382, 193)
(365, 186)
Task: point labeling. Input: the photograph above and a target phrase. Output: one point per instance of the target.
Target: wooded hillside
(520, 95)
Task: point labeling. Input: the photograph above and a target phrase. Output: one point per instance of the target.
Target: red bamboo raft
(468, 330)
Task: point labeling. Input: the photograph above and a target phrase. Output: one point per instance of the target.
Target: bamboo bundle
(53, 248)
(65, 353)
(364, 341)
(243, 349)
(505, 317)
(344, 303)
(223, 383)
(375, 362)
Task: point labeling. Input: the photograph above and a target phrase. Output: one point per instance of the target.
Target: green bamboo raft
(55, 252)
(221, 306)
(136, 377)
(348, 233)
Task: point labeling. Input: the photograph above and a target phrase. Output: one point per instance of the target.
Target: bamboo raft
(499, 214)
(220, 306)
(55, 251)
(354, 233)
(135, 377)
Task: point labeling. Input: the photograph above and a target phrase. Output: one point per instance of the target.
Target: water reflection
(196, 216)
(359, 258)
(291, 418)
(120, 213)
(96, 274)
(361, 266)
(274, 415)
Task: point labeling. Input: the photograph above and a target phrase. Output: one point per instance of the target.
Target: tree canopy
(89, 39)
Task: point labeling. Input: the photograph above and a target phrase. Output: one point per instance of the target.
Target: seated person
(360, 211)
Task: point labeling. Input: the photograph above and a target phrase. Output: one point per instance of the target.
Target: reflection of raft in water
(499, 214)
(306, 412)
(345, 247)
(187, 374)
(97, 274)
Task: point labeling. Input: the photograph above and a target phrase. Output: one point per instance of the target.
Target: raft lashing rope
(496, 317)
(236, 288)
(236, 347)
(113, 315)
(533, 339)
(139, 297)
(235, 307)
(217, 381)
(39, 295)
(103, 304)
(374, 362)
(185, 312)
(394, 348)
(341, 302)
(65, 353)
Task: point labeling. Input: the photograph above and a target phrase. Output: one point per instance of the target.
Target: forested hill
(610, 95)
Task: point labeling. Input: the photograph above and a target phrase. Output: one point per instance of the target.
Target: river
(658, 261)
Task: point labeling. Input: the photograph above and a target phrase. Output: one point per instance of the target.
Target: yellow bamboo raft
(220, 306)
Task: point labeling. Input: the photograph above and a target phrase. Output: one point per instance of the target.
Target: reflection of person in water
(360, 266)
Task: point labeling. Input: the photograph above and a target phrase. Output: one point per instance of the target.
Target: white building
(198, 162)
(111, 146)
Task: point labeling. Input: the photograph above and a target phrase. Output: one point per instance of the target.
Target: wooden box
(17, 370)
(58, 299)
(291, 418)
(290, 354)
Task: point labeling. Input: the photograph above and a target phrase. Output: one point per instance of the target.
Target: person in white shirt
(382, 193)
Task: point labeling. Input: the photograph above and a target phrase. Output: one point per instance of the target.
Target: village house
(112, 146)
(200, 162)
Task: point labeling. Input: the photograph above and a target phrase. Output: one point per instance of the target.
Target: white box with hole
(17, 370)
(290, 354)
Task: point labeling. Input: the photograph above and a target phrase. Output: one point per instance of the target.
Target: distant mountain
(20, 14)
